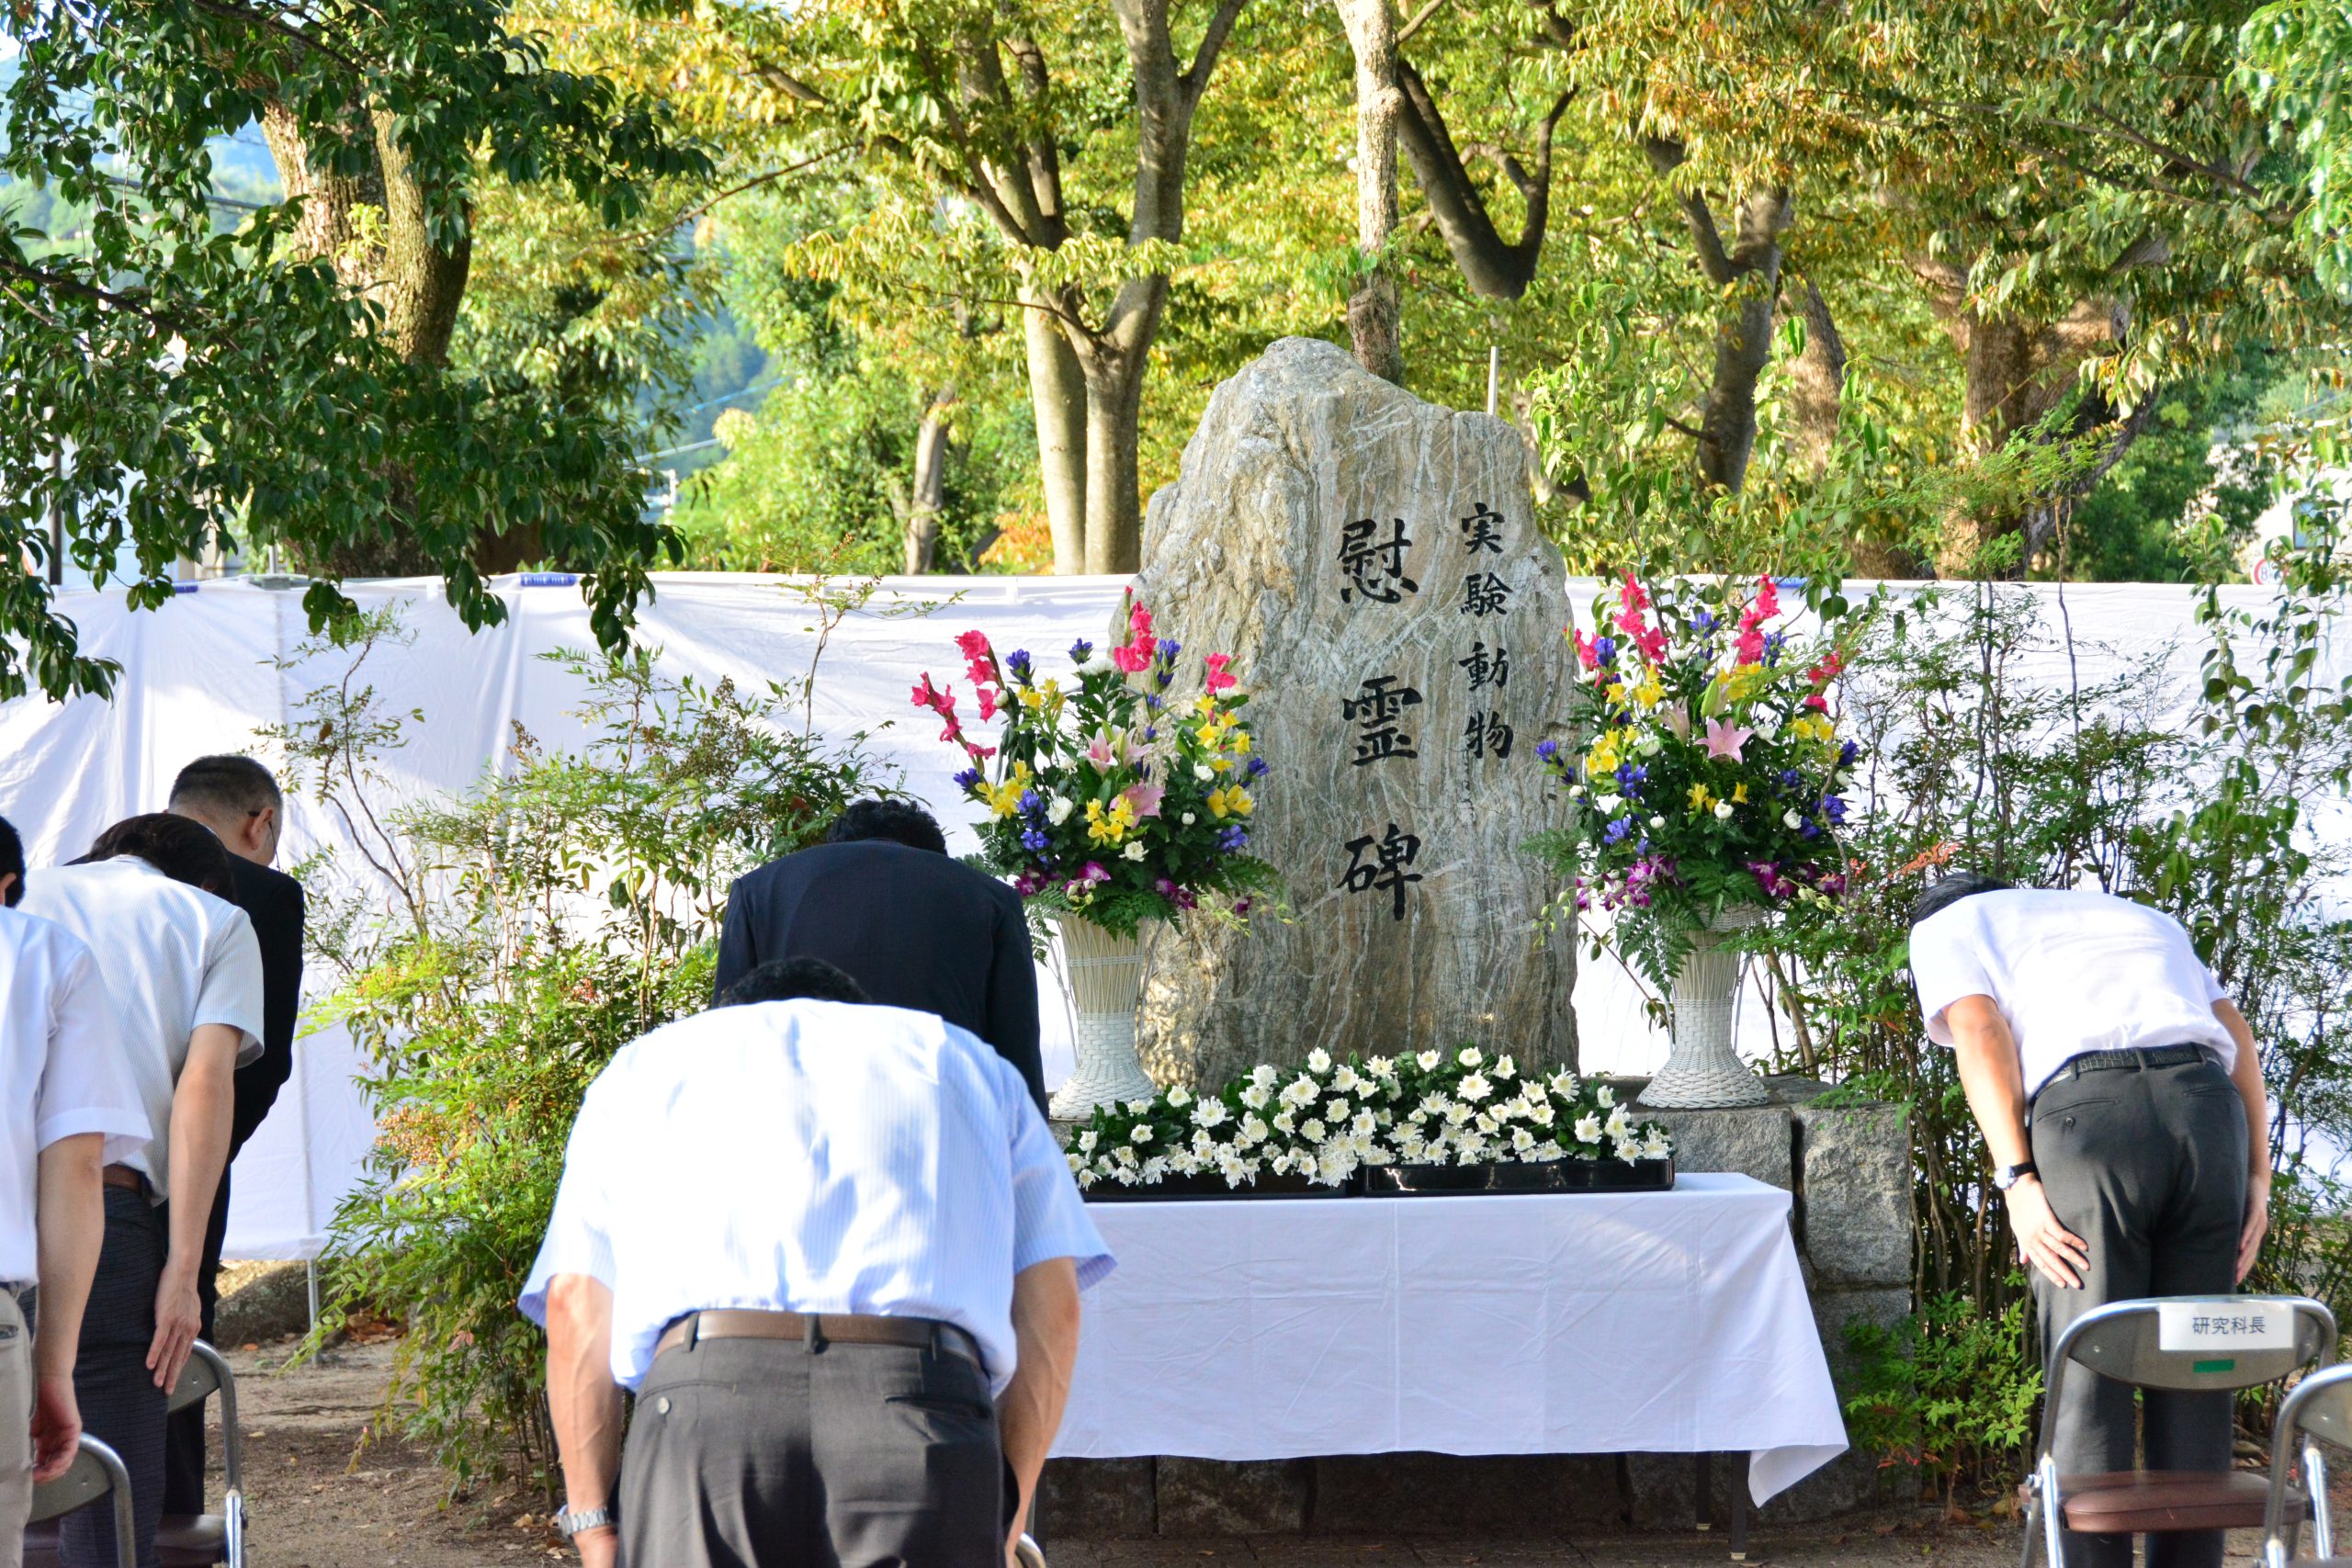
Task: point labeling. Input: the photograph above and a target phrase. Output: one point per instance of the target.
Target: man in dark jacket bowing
(239, 799)
(883, 901)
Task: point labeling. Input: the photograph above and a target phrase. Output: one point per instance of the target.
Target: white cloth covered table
(1587, 1323)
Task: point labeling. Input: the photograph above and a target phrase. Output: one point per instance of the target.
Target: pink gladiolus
(1133, 659)
(1725, 739)
(1817, 703)
(1768, 599)
(1631, 599)
(987, 702)
(973, 644)
(925, 695)
(1143, 799)
(1749, 649)
(1652, 644)
(1584, 654)
(1218, 679)
(1140, 622)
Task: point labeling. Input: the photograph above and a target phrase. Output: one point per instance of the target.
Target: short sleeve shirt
(61, 1072)
(174, 958)
(2071, 972)
(816, 1157)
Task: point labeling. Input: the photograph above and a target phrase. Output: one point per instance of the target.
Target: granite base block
(1757, 1141)
(1212, 1496)
(1427, 1494)
(1098, 1497)
(1854, 1194)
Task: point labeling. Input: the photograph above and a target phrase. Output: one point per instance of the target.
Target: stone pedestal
(1372, 563)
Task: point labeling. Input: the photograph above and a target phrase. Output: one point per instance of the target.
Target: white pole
(311, 1269)
(1494, 372)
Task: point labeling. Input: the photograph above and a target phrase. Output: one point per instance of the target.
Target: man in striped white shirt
(837, 1254)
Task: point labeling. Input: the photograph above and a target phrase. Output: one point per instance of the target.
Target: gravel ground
(322, 1493)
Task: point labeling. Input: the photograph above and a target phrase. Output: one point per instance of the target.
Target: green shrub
(1950, 1391)
(496, 950)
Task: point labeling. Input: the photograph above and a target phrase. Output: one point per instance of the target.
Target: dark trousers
(763, 1453)
(2148, 1165)
(121, 1406)
(184, 1432)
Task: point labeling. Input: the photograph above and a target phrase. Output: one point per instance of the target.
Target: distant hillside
(243, 171)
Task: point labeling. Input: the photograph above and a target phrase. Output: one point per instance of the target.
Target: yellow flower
(1208, 734)
(1206, 706)
(1616, 692)
(1700, 797)
(1109, 827)
(1231, 800)
(1238, 742)
(1004, 799)
(1649, 693)
(1814, 727)
(1742, 682)
(1606, 753)
(1739, 795)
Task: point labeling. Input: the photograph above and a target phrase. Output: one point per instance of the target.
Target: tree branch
(755, 182)
(228, 11)
(1405, 34)
(1195, 79)
(64, 284)
(1667, 155)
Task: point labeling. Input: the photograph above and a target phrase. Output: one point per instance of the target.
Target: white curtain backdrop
(201, 675)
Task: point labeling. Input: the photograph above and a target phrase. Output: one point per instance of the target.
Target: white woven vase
(1105, 983)
(1703, 1070)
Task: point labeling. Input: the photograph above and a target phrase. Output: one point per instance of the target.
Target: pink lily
(1143, 799)
(1725, 739)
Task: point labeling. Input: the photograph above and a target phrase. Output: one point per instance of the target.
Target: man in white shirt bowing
(66, 1107)
(837, 1253)
(2120, 1097)
(183, 972)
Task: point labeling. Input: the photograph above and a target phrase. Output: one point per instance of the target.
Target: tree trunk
(1373, 326)
(422, 284)
(1817, 382)
(1114, 509)
(1493, 269)
(1057, 398)
(327, 230)
(928, 496)
(1744, 345)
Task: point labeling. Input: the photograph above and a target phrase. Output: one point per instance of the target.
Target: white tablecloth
(1640, 1321)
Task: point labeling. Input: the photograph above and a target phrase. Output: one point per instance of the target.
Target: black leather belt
(916, 1333)
(2137, 1061)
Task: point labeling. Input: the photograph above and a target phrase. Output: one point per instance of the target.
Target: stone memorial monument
(1372, 563)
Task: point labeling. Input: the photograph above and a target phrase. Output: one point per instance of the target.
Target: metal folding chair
(202, 1540)
(97, 1471)
(2121, 1340)
(1026, 1552)
(2319, 1410)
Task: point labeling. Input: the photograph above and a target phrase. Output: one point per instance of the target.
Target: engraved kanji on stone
(1376, 567)
(1379, 709)
(1487, 667)
(1483, 530)
(1484, 593)
(1487, 735)
(1387, 870)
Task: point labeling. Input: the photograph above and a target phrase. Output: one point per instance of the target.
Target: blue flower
(1790, 778)
(1847, 753)
(1631, 776)
(1703, 620)
(1604, 648)
(1035, 839)
(1256, 770)
(1080, 651)
(1615, 832)
(967, 778)
(1232, 838)
(1547, 751)
(1811, 829)
(1169, 648)
(1834, 807)
(1644, 845)
(1773, 643)
(1151, 701)
(1150, 733)
(1017, 662)
(1032, 803)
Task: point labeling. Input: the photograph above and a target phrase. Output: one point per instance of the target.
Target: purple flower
(1604, 648)
(1773, 643)
(967, 778)
(1847, 753)
(1151, 701)
(1231, 840)
(1790, 778)
(1256, 769)
(1812, 830)
(1703, 620)
(1615, 832)
(1032, 803)
(1240, 906)
(1080, 651)
(1035, 839)
(1150, 733)
(1547, 751)
(1631, 776)
(1834, 807)
(1169, 648)
(1017, 663)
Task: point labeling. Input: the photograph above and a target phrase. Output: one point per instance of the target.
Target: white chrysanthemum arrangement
(1326, 1119)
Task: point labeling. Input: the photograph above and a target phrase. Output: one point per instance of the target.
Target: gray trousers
(763, 1453)
(120, 1405)
(2148, 1165)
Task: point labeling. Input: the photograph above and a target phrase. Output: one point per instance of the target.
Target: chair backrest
(2124, 1340)
(198, 1379)
(2322, 1405)
(85, 1481)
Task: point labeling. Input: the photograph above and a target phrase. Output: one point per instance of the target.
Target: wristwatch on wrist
(571, 1524)
(2008, 1176)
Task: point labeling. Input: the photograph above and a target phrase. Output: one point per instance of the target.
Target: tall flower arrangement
(1713, 775)
(1107, 796)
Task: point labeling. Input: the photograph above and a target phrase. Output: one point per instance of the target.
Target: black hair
(1951, 888)
(899, 821)
(181, 849)
(782, 979)
(12, 860)
(233, 786)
